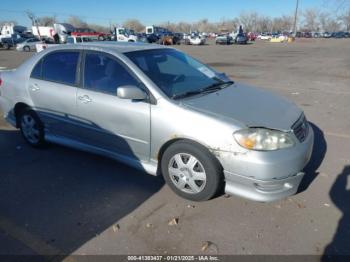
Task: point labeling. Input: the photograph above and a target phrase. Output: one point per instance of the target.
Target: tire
(184, 161)
(101, 38)
(31, 128)
(26, 49)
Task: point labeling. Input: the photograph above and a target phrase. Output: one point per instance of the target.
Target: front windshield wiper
(186, 94)
(217, 86)
(211, 88)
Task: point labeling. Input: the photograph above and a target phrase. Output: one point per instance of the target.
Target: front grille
(301, 128)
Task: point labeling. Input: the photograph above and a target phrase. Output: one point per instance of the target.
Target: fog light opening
(288, 185)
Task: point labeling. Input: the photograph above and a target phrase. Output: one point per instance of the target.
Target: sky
(151, 12)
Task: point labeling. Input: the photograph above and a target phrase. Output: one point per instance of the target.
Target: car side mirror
(131, 92)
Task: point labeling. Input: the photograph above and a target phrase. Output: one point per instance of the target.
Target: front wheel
(32, 128)
(191, 171)
(26, 49)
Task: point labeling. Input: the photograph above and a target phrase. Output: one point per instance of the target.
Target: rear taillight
(0, 81)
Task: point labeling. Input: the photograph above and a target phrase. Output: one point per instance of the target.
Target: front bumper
(260, 190)
(266, 176)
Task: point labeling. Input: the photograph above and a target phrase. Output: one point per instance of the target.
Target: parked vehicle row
(269, 36)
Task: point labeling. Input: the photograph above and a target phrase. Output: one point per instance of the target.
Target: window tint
(104, 74)
(61, 67)
(36, 73)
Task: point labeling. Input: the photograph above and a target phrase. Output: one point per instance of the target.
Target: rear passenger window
(104, 74)
(36, 73)
(61, 67)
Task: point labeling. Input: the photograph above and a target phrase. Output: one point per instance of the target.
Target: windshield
(130, 31)
(174, 72)
(121, 31)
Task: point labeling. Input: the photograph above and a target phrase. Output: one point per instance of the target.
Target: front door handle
(85, 99)
(34, 87)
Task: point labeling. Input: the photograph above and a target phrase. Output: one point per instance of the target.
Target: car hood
(253, 107)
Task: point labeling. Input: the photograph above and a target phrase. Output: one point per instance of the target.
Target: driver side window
(105, 74)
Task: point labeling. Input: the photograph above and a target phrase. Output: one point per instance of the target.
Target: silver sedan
(164, 112)
(28, 45)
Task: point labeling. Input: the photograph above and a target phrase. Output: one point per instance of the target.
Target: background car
(28, 45)
(195, 39)
(327, 35)
(264, 36)
(340, 35)
(241, 39)
(224, 40)
(251, 36)
(87, 32)
(147, 38)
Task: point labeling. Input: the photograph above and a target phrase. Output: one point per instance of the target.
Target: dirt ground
(62, 201)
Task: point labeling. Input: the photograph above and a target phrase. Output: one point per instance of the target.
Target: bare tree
(77, 22)
(264, 24)
(134, 24)
(323, 19)
(311, 19)
(346, 19)
(183, 27)
(332, 25)
(249, 20)
(328, 23)
(170, 26)
(227, 25)
(99, 28)
(46, 20)
(282, 24)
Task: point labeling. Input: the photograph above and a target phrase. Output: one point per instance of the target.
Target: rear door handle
(34, 87)
(85, 99)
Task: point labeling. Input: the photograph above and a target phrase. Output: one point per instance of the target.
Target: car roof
(119, 47)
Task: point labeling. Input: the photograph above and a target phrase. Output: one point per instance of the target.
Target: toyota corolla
(164, 112)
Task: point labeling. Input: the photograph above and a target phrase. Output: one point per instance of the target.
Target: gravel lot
(62, 201)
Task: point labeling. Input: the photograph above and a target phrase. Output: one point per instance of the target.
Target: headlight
(263, 139)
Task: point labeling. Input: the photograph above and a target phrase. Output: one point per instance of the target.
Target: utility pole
(295, 19)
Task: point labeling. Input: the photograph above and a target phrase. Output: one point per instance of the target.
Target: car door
(52, 87)
(118, 125)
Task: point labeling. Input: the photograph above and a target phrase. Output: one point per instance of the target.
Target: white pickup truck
(125, 35)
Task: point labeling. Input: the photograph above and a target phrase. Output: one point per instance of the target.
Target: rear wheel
(32, 128)
(26, 49)
(191, 171)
